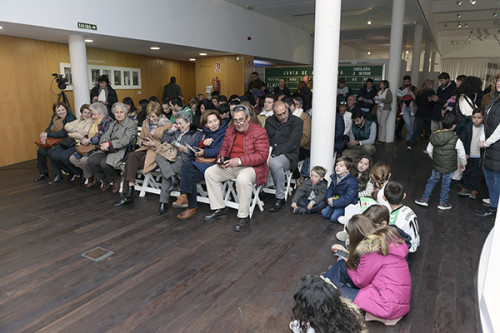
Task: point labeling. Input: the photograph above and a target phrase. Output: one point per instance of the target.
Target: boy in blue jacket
(343, 190)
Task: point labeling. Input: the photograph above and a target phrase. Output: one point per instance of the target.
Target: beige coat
(163, 124)
(81, 123)
(305, 142)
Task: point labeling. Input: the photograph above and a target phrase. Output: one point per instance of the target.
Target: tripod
(64, 98)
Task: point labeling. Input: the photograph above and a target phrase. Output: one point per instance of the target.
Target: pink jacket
(385, 281)
(256, 146)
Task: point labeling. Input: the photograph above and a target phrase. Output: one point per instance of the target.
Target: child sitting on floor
(343, 190)
(310, 197)
(362, 172)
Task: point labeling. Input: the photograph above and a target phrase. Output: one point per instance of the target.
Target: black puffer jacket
(491, 122)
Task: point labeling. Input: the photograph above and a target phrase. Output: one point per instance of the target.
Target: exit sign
(87, 26)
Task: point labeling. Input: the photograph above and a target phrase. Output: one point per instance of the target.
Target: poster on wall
(119, 77)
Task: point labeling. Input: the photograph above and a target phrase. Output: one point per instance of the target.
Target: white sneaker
(294, 327)
(342, 236)
(486, 201)
(341, 219)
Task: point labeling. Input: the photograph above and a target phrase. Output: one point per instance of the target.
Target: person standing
(281, 89)
(103, 92)
(383, 101)
(443, 94)
(365, 99)
(172, 90)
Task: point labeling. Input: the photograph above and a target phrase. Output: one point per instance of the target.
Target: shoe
(116, 184)
(242, 224)
(92, 181)
(126, 198)
(422, 202)
(489, 212)
(336, 247)
(221, 213)
(105, 184)
(174, 184)
(278, 205)
(181, 202)
(444, 206)
(398, 135)
(187, 214)
(71, 176)
(262, 196)
(408, 148)
(301, 210)
(341, 220)
(380, 143)
(482, 210)
(42, 176)
(473, 195)
(163, 208)
(464, 192)
(57, 179)
(342, 236)
(485, 200)
(82, 180)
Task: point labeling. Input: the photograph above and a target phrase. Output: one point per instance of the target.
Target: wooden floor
(171, 276)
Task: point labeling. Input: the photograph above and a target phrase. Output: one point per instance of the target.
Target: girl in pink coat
(377, 266)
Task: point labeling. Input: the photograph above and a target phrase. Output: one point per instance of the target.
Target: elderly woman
(77, 130)
(173, 153)
(61, 116)
(102, 121)
(112, 147)
(208, 144)
(144, 158)
(491, 144)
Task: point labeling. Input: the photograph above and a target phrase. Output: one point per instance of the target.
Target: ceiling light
(407, 52)
(459, 3)
(89, 41)
(369, 53)
(459, 25)
(1, 27)
(203, 54)
(192, 59)
(466, 24)
(154, 47)
(473, 2)
(459, 15)
(495, 14)
(369, 22)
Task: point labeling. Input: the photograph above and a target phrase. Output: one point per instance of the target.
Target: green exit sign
(87, 26)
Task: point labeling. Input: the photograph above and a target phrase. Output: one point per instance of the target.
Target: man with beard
(362, 137)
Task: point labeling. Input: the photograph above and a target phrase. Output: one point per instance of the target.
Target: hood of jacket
(441, 138)
(371, 244)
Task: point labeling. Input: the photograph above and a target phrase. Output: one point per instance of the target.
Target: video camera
(61, 81)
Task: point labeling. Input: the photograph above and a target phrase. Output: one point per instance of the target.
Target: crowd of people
(247, 138)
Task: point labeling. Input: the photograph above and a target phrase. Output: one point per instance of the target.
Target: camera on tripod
(61, 81)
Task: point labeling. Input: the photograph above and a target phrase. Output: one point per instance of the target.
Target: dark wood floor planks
(171, 276)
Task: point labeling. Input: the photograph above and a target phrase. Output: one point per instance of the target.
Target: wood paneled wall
(26, 99)
(232, 74)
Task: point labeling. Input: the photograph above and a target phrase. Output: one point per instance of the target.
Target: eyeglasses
(239, 121)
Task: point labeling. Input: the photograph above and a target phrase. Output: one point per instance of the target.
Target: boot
(57, 179)
(187, 214)
(174, 183)
(163, 208)
(181, 202)
(92, 181)
(71, 176)
(116, 184)
(126, 198)
(105, 184)
(42, 176)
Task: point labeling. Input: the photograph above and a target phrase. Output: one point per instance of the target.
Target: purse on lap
(49, 143)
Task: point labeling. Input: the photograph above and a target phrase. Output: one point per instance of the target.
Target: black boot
(163, 208)
(174, 184)
(42, 176)
(126, 198)
(57, 179)
(71, 176)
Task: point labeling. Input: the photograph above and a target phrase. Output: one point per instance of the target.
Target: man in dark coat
(443, 94)
(171, 90)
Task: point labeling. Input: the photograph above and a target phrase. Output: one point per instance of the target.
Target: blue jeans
(409, 121)
(420, 124)
(317, 208)
(493, 182)
(337, 273)
(445, 185)
(333, 213)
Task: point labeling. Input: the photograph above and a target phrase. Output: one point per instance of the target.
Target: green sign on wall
(355, 75)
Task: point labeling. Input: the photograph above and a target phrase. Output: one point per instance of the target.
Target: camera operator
(103, 92)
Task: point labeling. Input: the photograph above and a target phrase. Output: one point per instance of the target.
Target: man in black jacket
(443, 94)
(365, 99)
(284, 131)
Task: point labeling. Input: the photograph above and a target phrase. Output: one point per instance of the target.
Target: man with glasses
(284, 131)
(243, 156)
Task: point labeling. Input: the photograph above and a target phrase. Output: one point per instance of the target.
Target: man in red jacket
(243, 156)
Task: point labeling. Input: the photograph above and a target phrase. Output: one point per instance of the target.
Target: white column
(415, 59)
(326, 63)
(79, 73)
(395, 49)
(426, 61)
(433, 61)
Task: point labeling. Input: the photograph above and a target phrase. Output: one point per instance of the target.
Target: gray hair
(99, 108)
(184, 115)
(117, 105)
(243, 108)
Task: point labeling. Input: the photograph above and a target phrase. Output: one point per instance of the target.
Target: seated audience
(203, 106)
(243, 156)
(176, 105)
(132, 111)
(208, 143)
(267, 110)
(173, 153)
(143, 104)
(310, 197)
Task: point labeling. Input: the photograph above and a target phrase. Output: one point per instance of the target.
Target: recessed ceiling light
(407, 52)
(154, 47)
(1, 27)
(369, 53)
(473, 2)
(459, 3)
(369, 22)
(89, 41)
(459, 15)
(192, 59)
(495, 14)
(203, 54)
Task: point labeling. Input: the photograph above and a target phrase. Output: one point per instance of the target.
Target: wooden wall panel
(232, 75)
(27, 66)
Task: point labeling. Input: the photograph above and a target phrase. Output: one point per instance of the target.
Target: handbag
(132, 144)
(84, 150)
(68, 142)
(201, 159)
(49, 143)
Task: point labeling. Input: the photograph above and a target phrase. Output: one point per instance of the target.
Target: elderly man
(243, 156)
(362, 137)
(284, 131)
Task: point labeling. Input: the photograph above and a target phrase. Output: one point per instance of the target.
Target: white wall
(211, 24)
